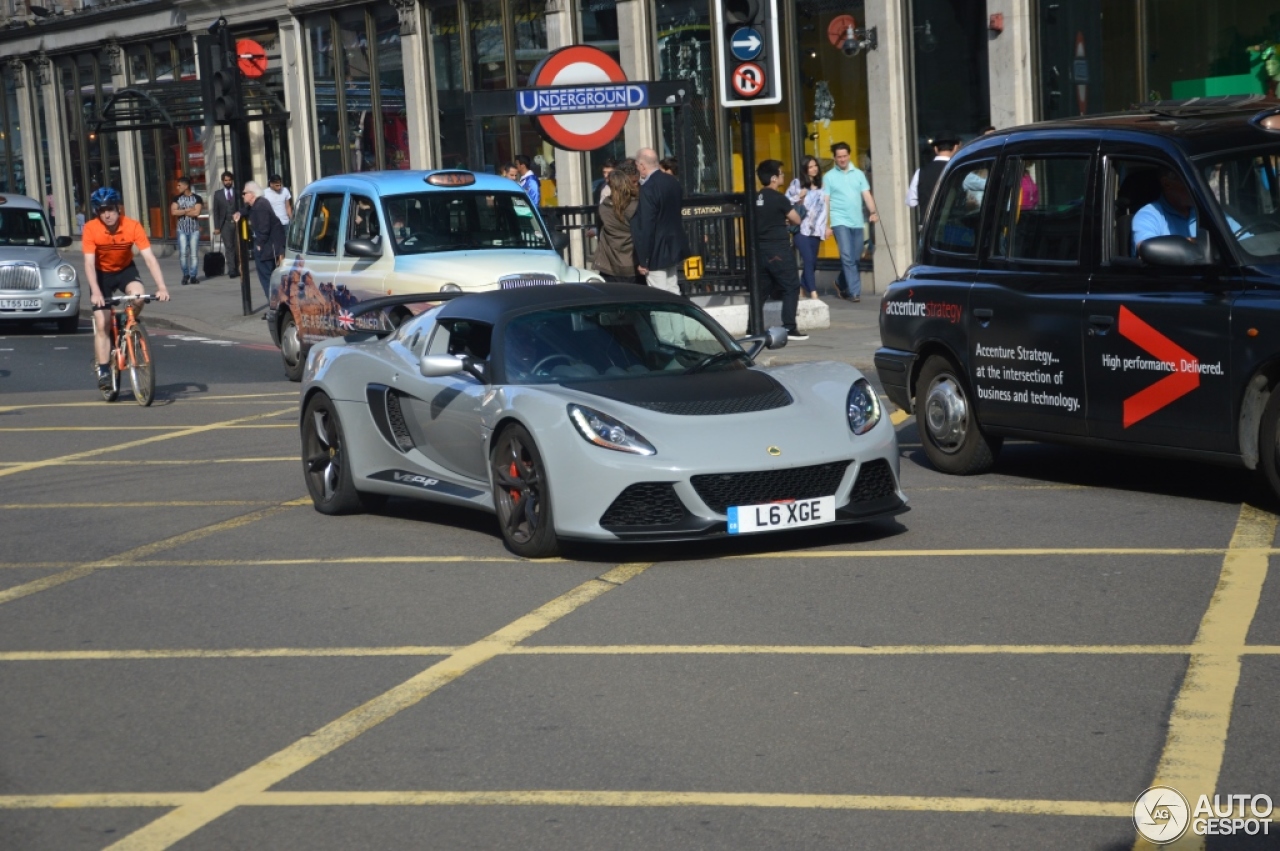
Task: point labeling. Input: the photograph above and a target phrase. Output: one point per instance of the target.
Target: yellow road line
(294, 562)
(17, 592)
(95, 800)
(58, 506)
(252, 782)
(898, 416)
(262, 396)
(632, 650)
(184, 432)
(947, 488)
(988, 552)
(1193, 750)
(186, 462)
(115, 428)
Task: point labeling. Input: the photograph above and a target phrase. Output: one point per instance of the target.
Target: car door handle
(983, 313)
(1100, 325)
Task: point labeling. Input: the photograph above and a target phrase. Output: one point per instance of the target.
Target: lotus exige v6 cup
(590, 412)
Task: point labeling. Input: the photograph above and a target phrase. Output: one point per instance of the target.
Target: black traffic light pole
(747, 126)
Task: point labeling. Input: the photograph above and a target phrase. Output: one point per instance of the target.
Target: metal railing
(713, 230)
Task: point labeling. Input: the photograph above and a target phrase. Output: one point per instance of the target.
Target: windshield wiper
(718, 357)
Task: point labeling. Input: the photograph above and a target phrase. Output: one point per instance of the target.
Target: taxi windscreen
(1245, 184)
(463, 220)
(23, 227)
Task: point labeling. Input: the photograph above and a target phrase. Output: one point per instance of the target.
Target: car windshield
(1245, 184)
(608, 342)
(23, 227)
(463, 220)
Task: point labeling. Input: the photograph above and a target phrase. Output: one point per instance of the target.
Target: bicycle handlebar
(120, 299)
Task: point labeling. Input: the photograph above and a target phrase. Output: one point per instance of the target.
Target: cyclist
(109, 239)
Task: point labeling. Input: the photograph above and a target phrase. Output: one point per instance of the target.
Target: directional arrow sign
(746, 44)
(1146, 402)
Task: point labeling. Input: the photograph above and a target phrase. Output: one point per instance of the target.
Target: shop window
(684, 52)
(960, 210)
(446, 46)
(952, 86)
(1041, 209)
(326, 219)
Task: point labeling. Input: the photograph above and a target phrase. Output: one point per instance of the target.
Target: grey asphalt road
(192, 657)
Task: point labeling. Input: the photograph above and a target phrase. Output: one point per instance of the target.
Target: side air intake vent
(384, 407)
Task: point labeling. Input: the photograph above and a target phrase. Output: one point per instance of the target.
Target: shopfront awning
(159, 106)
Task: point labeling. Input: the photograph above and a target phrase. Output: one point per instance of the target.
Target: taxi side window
(1131, 185)
(296, 237)
(362, 220)
(960, 209)
(325, 220)
(1041, 211)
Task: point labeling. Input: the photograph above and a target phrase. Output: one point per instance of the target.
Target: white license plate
(770, 516)
(19, 303)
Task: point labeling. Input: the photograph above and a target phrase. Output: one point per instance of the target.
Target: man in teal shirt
(849, 190)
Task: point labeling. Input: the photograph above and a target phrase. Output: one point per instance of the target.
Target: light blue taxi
(355, 237)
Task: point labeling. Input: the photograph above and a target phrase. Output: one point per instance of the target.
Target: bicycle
(130, 349)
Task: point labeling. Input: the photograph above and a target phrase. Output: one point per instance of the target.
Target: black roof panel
(492, 306)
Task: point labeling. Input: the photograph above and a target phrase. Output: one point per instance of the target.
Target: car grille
(645, 504)
(776, 398)
(527, 279)
(721, 490)
(875, 481)
(19, 276)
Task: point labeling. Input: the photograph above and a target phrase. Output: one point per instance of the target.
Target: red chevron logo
(1146, 402)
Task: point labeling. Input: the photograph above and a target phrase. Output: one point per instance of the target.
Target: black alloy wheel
(522, 495)
(326, 463)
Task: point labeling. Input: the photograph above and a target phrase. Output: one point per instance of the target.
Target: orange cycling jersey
(114, 251)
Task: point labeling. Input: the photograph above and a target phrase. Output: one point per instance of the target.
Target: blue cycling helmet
(104, 196)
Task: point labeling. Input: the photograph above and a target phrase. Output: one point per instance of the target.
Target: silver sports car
(595, 412)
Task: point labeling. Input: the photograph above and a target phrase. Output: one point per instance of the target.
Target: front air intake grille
(645, 504)
(395, 418)
(776, 398)
(19, 276)
(526, 279)
(722, 490)
(875, 481)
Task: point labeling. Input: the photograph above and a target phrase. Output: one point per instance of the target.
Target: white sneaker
(796, 336)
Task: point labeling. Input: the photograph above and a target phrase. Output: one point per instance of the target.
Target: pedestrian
(187, 207)
(657, 229)
(268, 233)
(615, 256)
(509, 171)
(848, 191)
(528, 180)
(224, 223)
(280, 197)
(925, 180)
(597, 186)
(777, 263)
(670, 165)
(807, 193)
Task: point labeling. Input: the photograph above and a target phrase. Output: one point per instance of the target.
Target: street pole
(755, 314)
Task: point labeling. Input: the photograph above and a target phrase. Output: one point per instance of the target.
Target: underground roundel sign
(579, 98)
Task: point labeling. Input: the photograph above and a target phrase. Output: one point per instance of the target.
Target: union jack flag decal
(346, 321)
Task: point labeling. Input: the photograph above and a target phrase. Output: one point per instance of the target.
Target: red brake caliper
(515, 495)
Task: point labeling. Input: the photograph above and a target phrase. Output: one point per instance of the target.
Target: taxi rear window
(464, 220)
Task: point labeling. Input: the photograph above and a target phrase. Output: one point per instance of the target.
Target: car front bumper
(43, 304)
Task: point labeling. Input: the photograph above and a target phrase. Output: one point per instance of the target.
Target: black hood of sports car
(703, 394)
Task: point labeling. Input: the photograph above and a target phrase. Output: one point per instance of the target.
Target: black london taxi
(1110, 281)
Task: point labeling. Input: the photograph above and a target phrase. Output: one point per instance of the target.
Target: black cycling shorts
(109, 282)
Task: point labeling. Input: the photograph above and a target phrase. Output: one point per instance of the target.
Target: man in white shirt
(926, 178)
(280, 198)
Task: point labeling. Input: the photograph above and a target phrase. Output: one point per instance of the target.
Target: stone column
(32, 166)
(635, 44)
(127, 144)
(59, 161)
(890, 99)
(297, 100)
(419, 95)
(1010, 60)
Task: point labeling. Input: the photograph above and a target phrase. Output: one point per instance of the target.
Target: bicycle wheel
(142, 374)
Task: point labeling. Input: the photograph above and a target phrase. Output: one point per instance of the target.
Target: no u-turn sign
(748, 79)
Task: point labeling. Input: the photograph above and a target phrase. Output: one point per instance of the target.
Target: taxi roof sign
(450, 178)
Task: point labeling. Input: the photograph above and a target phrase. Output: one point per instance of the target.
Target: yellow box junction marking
(1201, 718)
(263, 399)
(252, 782)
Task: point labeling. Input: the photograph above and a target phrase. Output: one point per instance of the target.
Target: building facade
(381, 85)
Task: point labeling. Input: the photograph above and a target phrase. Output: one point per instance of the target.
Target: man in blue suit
(657, 230)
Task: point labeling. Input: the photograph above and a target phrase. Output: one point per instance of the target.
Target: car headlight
(450, 288)
(604, 430)
(66, 273)
(863, 407)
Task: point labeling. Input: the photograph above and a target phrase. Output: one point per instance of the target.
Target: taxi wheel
(291, 348)
(949, 429)
(522, 495)
(1269, 442)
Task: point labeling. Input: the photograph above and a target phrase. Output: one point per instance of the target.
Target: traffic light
(219, 79)
(749, 61)
(226, 93)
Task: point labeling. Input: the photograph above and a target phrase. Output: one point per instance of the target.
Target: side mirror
(62, 241)
(438, 366)
(773, 338)
(559, 240)
(1170, 251)
(362, 248)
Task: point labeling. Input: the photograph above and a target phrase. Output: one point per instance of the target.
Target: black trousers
(779, 279)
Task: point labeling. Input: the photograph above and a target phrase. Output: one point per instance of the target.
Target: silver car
(591, 412)
(36, 284)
